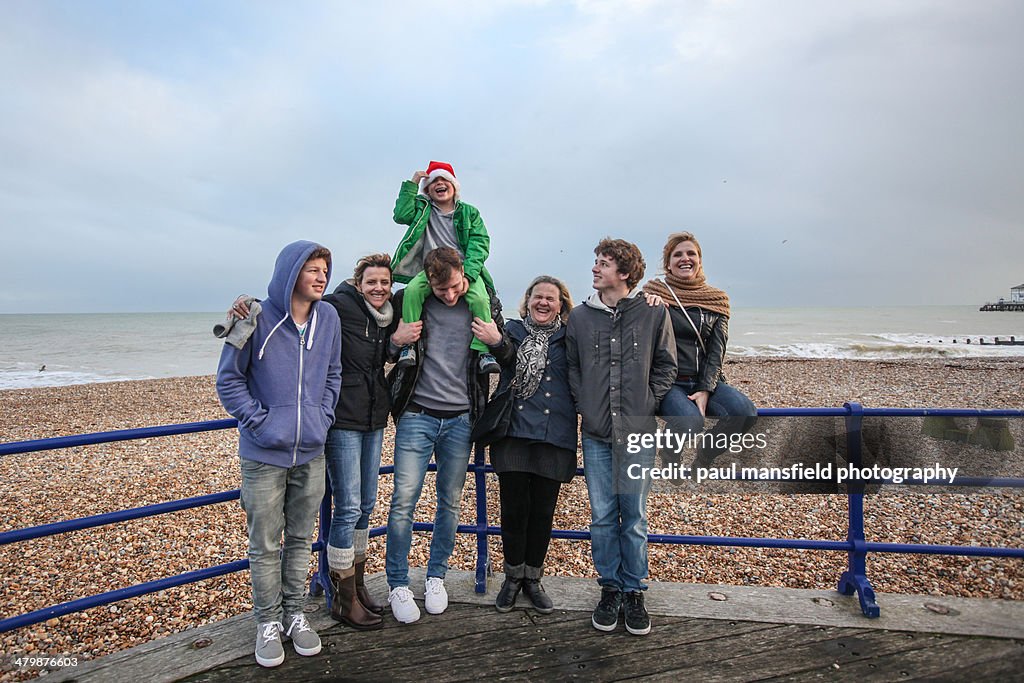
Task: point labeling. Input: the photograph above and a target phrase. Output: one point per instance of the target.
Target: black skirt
(513, 454)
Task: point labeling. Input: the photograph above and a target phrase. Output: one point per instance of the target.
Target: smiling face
(684, 261)
(545, 303)
(375, 286)
(442, 191)
(312, 281)
(606, 274)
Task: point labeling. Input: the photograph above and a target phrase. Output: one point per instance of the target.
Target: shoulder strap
(688, 318)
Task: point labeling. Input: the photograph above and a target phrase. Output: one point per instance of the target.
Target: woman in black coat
(700, 321)
(538, 453)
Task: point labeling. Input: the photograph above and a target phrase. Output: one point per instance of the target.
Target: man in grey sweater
(434, 404)
(622, 361)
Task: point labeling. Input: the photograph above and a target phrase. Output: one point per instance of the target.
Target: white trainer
(402, 605)
(435, 596)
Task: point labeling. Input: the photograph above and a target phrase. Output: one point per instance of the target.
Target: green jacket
(413, 209)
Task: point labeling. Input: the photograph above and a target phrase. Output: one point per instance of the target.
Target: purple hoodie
(281, 387)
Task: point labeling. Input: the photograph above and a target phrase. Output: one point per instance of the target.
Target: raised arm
(405, 205)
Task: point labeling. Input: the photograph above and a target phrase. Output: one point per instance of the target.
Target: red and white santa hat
(439, 169)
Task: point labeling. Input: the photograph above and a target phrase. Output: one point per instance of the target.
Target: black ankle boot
(535, 592)
(506, 599)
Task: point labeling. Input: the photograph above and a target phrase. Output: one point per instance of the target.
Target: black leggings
(527, 512)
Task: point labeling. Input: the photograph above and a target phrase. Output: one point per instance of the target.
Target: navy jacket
(549, 415)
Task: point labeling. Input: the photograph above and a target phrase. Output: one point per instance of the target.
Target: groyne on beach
(52, 486)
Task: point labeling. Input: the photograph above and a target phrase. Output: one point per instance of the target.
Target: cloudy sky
(155, 156)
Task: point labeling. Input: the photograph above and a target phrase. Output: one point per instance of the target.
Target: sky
(156, 156)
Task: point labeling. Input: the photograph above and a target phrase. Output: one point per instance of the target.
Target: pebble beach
(51, 486)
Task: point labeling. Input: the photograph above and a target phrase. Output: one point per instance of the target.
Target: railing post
(855, 578)
(480, 481)
(321, 582)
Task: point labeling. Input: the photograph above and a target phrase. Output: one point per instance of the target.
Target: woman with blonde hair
(537, 454)
(700, 320)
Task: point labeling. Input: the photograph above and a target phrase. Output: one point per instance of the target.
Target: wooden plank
(675, 609)
(499, 652)
(922, 613)
(873, 655)
(672, 658)
(931, 657)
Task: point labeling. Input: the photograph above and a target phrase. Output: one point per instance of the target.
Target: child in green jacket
(437, 218)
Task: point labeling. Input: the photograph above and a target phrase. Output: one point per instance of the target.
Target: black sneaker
(407, 358)
(506, 599)
(637, 621)
(488, 365)
(535, 592)
(606, 615)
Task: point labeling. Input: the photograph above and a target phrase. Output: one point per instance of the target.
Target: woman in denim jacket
(538, 453)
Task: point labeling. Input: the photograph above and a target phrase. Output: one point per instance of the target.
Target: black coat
(364, 402)
(702, 363)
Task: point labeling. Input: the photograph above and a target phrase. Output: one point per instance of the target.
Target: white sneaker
(435, 596)
(402, 605)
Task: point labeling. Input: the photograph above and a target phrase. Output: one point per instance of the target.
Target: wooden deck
(707, 633)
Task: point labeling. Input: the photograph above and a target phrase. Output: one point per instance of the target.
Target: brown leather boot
(363, 594)
(345, 605)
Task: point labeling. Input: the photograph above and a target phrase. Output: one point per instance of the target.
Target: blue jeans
(280, 500)
(618, 514)
(417, 436)
(735, 412)
(353, 462)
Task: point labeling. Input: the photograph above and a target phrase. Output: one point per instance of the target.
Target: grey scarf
(532, 357)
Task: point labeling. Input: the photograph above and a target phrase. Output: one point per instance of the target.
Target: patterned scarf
(532, 357)
(693, 292)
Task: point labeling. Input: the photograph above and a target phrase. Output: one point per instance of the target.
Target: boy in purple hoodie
(282, 386)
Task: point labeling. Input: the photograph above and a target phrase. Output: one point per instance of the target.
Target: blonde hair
(563, 295)
(371, 261)
(673, 240)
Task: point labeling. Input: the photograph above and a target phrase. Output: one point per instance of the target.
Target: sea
(53, 350)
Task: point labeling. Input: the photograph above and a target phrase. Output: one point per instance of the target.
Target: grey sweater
(447, 335)
(622, 362)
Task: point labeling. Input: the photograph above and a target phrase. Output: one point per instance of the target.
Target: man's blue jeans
(353, 462)
(417, 436)
(280, 500)
(618, 514)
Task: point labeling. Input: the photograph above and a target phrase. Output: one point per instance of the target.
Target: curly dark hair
(628, 259)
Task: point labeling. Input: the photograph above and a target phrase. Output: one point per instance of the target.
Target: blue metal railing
(853, 580)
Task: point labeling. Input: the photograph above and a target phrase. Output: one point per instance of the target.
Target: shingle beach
(51, 486)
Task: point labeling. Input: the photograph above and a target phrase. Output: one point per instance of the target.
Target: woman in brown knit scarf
(700, 320)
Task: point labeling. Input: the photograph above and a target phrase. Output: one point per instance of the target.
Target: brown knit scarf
(693, 292)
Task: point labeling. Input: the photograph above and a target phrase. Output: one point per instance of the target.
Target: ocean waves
(874, 350)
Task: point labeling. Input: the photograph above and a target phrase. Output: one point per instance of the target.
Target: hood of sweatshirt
(279, 292)
(594, 300)
(286, 272)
